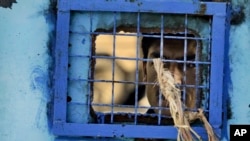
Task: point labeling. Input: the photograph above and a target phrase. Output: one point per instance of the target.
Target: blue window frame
(77, 29)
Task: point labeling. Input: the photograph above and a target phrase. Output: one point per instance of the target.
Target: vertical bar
(161, 56)
(90, 84)
(162, 36)
(216, 83)
(61, 66)
(185, 61)
(198, 76)
(227, 80)
(137, 66)
(208, 67)
(113, 67)
(209, 40)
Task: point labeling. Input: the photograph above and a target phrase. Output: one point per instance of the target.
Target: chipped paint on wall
(24, 61)
(7, 3)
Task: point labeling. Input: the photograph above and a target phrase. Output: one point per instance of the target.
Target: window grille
(81, 23)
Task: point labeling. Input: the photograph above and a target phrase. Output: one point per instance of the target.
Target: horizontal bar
(133, 82)
(143, 35)
(181, 7)
(136, 107)
(141, 59)
(121, 130)
(126, 107)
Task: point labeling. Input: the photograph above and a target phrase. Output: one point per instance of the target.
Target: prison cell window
(105, 81)
(112, 95)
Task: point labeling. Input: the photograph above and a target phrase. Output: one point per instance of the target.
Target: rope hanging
(181, 119)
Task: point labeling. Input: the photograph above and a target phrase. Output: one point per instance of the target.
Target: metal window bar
(90, 89)
(61, 125)
(137, 67)
(113, 65)
(185, 59)
(161, 56)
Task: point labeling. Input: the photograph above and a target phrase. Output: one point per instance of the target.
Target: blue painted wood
(61, 66)
(167, 6)
(63, 5)
(63, 128)
(217, 64)
(121, 130)
(227, 79)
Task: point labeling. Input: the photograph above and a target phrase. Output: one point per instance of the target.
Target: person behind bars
(173, 50)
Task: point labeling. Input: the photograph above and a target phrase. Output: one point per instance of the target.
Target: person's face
(173, 49)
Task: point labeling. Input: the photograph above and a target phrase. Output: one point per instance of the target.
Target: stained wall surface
(26, 42)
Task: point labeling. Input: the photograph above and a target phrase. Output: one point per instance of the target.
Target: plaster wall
(25, 64)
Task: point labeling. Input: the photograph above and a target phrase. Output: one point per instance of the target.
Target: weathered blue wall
(24, 71)
(25, 61)
(239, 52)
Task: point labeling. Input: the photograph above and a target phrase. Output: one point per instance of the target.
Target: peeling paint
(39, 80)
(237, 14)
(202, 9)
(7, 3)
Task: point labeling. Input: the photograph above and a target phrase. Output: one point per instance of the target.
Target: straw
(173, 96)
